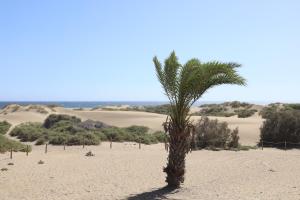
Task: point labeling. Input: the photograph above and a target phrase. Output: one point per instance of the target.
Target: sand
(248, 127)
(125, 172)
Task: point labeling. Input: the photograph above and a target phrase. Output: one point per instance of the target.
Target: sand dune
(125, 172)
(248, 127)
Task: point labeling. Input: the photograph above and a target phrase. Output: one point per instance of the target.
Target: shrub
(295, 106)
(58, 139)
(160, 136)
(53, 119)
(280, 126)
(40, 141)
(6, 144)
(237, 104)
(41, 162)
(244, 113)
(4, 127)
(268, 111)
(234, 141)
(116, 134)
(214, 110)
(137, 130)
(28, 131)
(88, 154)
(69, 130)
(80, 139)
(214, 134)
(92, 125)
(160, 109)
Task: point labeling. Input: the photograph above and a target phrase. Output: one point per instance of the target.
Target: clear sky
(103, 50)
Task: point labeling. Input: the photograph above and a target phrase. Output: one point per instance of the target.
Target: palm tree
(184, 85)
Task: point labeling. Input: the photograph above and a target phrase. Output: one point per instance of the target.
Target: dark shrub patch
(4, 127)
(214, 134)
(53, 119)
(6, 144)
(244, 113)
(280, 126)
(69, 130)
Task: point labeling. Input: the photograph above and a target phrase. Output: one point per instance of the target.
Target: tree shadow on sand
(157, 194)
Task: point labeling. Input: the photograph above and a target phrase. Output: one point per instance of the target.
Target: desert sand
(126, 172)
(248, 127)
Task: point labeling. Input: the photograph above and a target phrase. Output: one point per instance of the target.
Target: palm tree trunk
(176, 161)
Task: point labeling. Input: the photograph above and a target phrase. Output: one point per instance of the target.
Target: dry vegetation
(70, 130)
(227, 109)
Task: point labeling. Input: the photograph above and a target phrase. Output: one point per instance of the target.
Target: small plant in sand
(184, 85)
(10, 163)
(41, 162)
(88, 154)
(4, 169)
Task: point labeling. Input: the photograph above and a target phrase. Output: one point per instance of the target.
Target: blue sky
(103, 50)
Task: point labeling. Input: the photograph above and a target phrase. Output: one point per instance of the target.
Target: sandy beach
(125, 172)
(248, 127)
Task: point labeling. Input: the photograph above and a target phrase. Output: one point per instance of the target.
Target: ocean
(91, 104)
(84, 104)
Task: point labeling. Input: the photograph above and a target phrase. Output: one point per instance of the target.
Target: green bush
(160, 109)
(280, 126)
(268, 111)
(217, 111)
(160, 136)
(53, 119)
(214, 134)
(115, 134)
(295, 106)
(237, 104)
(40, 141)
(6, 144)
(245, 113)
(69, 130)
(83, 138)
(4, 127)
(28, 132)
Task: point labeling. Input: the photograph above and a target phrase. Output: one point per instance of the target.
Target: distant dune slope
(249, 127)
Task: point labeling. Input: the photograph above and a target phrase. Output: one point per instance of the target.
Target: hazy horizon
(102, 51)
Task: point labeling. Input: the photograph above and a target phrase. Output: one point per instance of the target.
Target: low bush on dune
(227, 109)
(7, 144)
(237, 104)
(214, 110)
(269, 110)
(54, 119)
(293, 106)
(280, 126)
(214, 134)
(159, 109)
(133, 134)
(70, 130)
(4, 127)
(245, 113)
(28, 132)
(37, 108)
